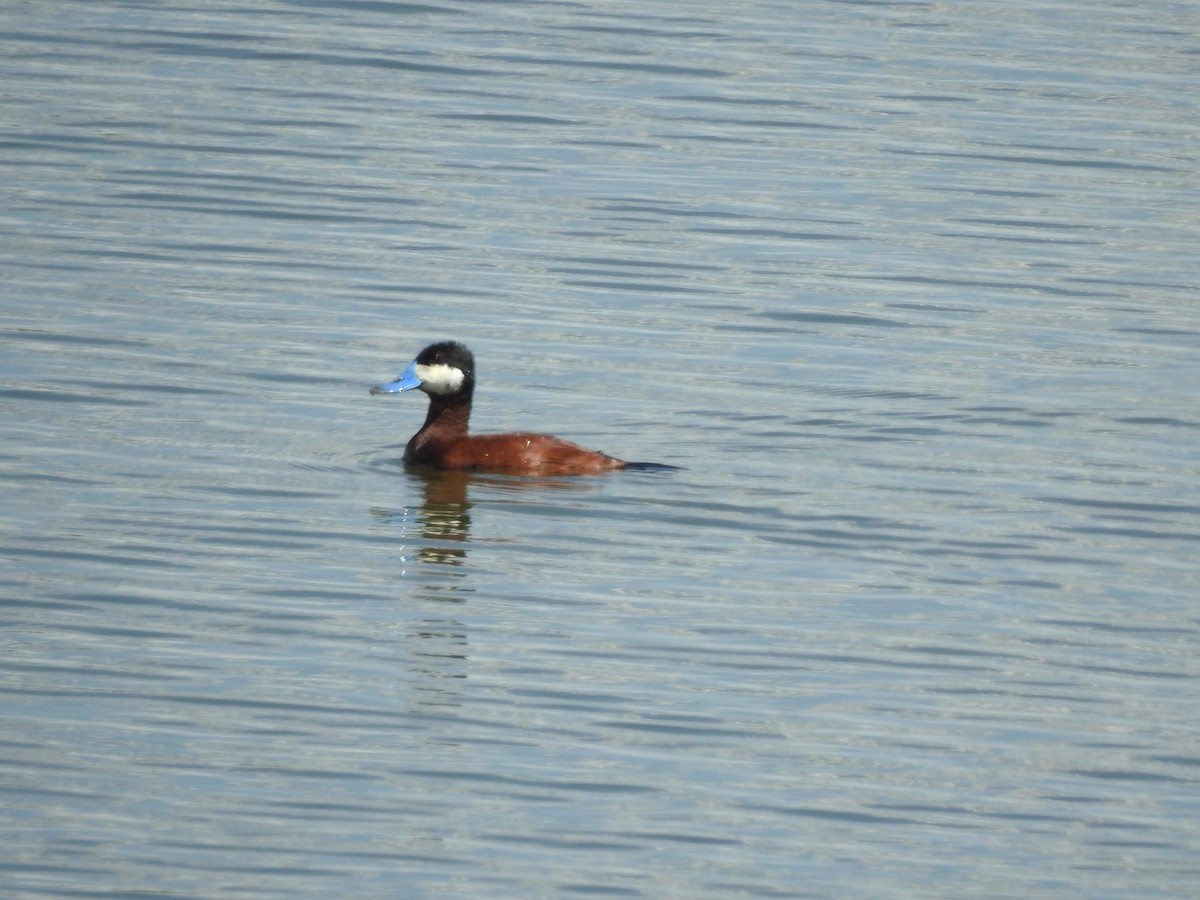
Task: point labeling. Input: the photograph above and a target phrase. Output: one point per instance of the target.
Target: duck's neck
(445, 422)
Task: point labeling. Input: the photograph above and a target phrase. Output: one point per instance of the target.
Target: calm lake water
(908, 289)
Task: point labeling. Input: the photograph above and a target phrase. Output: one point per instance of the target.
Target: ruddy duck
(446, 372)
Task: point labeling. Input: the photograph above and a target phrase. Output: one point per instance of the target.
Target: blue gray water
(909, 289)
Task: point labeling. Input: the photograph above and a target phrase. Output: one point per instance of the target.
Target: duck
(445, 371)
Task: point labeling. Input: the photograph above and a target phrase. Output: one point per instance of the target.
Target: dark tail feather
(651, 467)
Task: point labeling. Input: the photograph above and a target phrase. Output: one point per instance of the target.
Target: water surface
(908, 291)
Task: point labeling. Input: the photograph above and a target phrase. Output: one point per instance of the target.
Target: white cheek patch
(439, 378)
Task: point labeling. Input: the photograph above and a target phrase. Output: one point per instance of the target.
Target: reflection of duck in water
(440, 528)
(446, 372)
(445, 515)
(442, 523)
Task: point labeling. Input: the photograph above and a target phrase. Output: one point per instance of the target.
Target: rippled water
(908, 289)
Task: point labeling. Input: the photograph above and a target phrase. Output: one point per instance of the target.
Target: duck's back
(525, 454)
